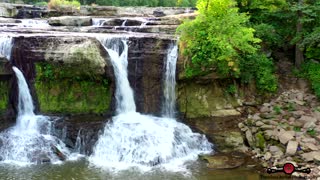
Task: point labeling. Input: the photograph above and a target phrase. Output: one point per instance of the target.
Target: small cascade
(79, 146)
(99, 22)
(132, 139)
(30, 140)
(6, 43)
(118, 51)
(124, 23)
(170, 82)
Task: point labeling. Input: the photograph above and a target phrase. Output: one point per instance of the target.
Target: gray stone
(306, 119)
(285, 136)
(267, 127)
(259, 123)
(275, 150)
(308, 140)
(249, 138)
(311, 146)
(267, 156)
(308, 125)
(256, 117)
(316, 114)
(265, 109)
(310, 155)
(292, 147)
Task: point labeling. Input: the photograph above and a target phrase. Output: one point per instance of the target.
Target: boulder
(267, 156)
(285, 136)
(249, 138)
(224, 161)
(306, 119)
(70, 21)
(311, 146)
(292, 147)
(310, 155)
(158, 13)
(275, 150)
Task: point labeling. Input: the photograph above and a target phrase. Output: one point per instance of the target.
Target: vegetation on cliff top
(233, 37)
(220, 39)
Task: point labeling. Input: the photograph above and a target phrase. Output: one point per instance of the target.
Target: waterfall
(99, 22)
(132, 139)
(124, 23)
(170, 82)
(29, 141)
(6, 46)
(80, 144)
(124, 94)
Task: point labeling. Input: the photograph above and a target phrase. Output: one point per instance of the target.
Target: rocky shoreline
(286, 130)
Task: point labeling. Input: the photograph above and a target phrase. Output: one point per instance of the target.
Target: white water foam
(29, 141)
(6, 43)
(34, 23)
(99, 22)
(134, 140)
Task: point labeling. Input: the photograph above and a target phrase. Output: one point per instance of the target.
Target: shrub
(64, 5)
(311, 71)
(220, 40)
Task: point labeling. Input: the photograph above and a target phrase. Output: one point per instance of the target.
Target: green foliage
(217, 38)
(268, 34)
(312, 132)
(4, 94)
(41, 3)
(260, 68)
(297, 129)
(231, 89)
(64, 4)
(311, 43)
(290, 107)
(220, 40)
(311, 71)
(277, 109)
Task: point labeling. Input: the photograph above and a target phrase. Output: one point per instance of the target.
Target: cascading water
(29, 141)
(135, 140)
(170, 82)
(6, 46)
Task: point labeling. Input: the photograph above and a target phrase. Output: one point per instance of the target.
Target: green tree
(219, 39)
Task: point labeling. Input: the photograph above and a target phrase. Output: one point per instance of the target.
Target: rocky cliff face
(69, 71)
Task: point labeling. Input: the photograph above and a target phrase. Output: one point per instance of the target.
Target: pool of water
(82, 169)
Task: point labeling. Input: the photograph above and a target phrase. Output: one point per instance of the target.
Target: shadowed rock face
(146, 58)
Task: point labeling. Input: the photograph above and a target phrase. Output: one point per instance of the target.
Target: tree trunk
(298, 53)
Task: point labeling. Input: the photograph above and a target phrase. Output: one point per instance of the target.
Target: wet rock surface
(86, 127)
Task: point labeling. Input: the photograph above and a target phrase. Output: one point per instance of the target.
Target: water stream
(132, 139)
(30, 140)
(6, 44)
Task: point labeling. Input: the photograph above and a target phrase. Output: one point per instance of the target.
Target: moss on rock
(4, 91)
(205, 100)
(66, 89)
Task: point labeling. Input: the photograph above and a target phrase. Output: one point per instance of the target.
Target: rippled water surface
(81, 169)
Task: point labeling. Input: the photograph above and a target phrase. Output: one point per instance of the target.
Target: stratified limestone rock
(205, 100)
(70, 21)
